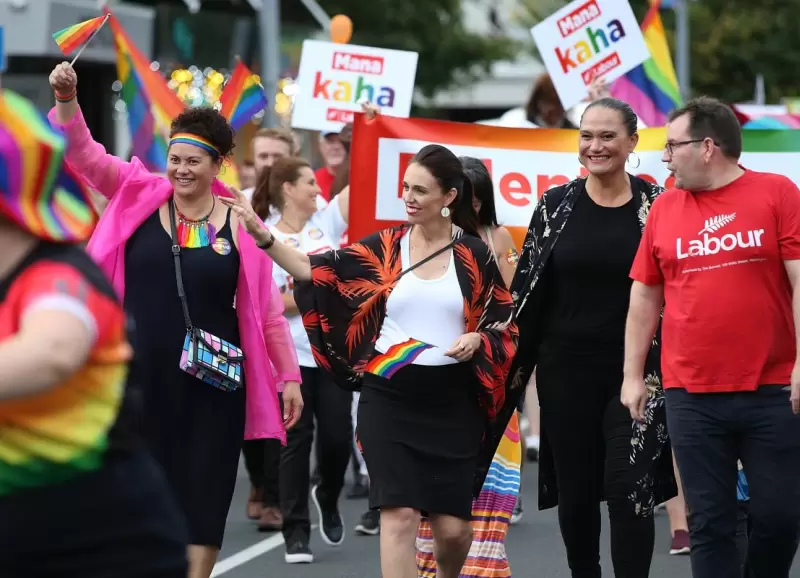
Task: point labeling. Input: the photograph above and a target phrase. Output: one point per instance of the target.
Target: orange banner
(523, 162)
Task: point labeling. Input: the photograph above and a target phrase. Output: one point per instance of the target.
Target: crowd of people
(656, 329)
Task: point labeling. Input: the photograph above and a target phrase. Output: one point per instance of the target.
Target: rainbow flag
(491, 515)
(38, 192)
(149, 144)
(242, 97)
(387, 364)
(151, 104)
(652, 87)
(73, 37)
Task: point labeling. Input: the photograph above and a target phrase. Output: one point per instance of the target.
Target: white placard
(587, 39)
(335, 78)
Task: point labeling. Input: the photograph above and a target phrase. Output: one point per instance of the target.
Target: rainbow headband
(193, 139)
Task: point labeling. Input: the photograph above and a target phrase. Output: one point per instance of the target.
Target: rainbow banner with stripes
(37, 190)
(652, 87)
(242, 97)
(397, 356)
(491, 516)
(147, 94)
(72, 37)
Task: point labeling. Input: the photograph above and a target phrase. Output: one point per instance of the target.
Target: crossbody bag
(205, 356)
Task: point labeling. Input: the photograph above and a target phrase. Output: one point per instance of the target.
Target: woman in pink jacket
(194, 429)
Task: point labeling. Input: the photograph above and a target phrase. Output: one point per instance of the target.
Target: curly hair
(207, 123)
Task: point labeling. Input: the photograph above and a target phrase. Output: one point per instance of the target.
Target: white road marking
(248, 554)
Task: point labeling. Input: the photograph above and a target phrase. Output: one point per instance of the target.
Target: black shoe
(298, 552)
(532, 454)
(330, 522)
(360, 488)
(370, 524)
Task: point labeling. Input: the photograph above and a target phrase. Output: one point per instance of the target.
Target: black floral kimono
(344, 306)
(649, 440)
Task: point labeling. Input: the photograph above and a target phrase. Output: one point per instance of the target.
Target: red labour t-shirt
(728, 322)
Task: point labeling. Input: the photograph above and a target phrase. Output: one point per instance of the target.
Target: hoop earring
(445, 212)
(638, 160)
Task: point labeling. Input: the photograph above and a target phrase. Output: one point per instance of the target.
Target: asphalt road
(534, 546)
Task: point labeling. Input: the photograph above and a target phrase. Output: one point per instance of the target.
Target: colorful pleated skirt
(491, 514)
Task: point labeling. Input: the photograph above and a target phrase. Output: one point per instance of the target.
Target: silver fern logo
(714, 224)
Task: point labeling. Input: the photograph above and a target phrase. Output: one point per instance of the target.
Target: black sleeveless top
(210, 277)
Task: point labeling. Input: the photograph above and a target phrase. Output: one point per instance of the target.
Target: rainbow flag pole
(85, 44)
(242, 97)
(79, 34)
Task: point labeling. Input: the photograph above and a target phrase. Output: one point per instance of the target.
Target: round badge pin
(222, 246)
(292, 242)
(315, 234)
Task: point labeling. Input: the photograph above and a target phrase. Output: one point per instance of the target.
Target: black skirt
(420, 433)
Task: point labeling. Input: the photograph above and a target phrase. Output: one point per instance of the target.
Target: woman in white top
(420, 317)
(292, 193)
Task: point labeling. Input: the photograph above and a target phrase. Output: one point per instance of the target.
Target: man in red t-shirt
(721, 252)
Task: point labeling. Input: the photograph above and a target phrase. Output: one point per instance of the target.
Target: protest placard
(588, 39)
(334, 78)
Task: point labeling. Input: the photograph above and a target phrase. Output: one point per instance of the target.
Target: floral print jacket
(656, 482)
(344, 307)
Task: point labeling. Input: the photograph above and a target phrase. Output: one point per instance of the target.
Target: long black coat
(651, 455)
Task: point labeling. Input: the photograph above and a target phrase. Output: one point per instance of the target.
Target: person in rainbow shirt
(78, 494)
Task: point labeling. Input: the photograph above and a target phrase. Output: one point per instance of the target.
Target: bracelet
(268, 244)
(66, 97)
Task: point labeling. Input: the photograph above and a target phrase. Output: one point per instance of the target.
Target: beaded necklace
(196, 233)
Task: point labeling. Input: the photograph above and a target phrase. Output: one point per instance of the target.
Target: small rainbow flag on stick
(396, 357)
(242, 97)
(77, 35)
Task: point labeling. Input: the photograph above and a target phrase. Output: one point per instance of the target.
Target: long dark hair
(483, 189)
(449, 174)
(269, 185)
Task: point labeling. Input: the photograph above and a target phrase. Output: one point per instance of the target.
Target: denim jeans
(709, 432)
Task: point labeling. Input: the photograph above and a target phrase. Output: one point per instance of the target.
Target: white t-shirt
(321, 234)
(429, 310)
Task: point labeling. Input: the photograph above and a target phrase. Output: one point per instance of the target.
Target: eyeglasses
(671, 146)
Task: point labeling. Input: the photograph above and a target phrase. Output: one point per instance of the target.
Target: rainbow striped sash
(387, 364)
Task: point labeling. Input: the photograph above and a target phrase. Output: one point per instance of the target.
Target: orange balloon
(341, 29)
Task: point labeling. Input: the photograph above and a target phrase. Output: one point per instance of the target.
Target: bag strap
(428, 258)
(176, 254)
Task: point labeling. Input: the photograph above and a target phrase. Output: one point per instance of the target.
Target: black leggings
(588, 431)
(262, 459)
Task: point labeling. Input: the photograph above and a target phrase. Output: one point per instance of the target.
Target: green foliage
(732, 41)
(448, 53)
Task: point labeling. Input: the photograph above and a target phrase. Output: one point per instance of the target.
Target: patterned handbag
(205, 356)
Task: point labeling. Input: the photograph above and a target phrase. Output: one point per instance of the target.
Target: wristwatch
(268, 244)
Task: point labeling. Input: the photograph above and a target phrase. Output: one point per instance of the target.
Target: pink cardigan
(134, 194)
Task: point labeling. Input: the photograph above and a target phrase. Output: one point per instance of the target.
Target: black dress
(194, 430)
